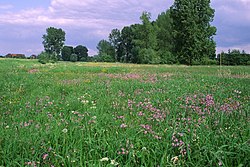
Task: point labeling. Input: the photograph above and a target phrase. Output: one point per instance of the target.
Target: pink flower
(45, 156)
(140, 113)
(123, 126)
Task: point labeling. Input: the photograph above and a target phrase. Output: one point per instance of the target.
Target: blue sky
(86, 22)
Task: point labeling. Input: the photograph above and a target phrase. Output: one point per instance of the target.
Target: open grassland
(100, 114)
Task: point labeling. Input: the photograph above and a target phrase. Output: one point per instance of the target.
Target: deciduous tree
(193, 34)
(105, 48)
(66, 52)
(81, 52)
(53, 41)
(115, 40)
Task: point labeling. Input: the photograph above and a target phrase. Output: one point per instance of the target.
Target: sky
(86, 22)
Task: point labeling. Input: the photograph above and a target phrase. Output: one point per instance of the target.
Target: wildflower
(45, 156)
(104, 159)
(123, 126)
(144, 149)
(65, 130)
(113, 162)
(85, 101)
(220, 163)
(174, 159)
(120, 117)
(140, 113)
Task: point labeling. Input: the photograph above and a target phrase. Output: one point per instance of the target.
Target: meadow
(104, 114)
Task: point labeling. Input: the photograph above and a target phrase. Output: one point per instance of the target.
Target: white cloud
(88, 21)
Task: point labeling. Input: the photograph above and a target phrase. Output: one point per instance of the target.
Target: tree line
(181, 35)
(233, 57)
(55, 49)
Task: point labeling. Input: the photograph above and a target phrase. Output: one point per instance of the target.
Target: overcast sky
(86, 22)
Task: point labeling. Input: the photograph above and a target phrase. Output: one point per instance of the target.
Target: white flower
(85, 101)
(104, 159)
(174, 159)
(114, 163)
(65, 130)
(94, 117)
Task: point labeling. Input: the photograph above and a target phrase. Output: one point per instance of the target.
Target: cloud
(88, 21)
(232, 19)
(85, 21)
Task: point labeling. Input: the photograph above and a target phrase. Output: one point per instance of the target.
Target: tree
(53, 41)
(144, 38)
(67, 51)
(105, 48)
(193, 34)
(147, 33)
(163, 25)
(81, 52)
(127, 43)
(115, 40)
(164, 29)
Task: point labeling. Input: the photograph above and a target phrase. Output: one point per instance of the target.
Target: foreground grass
(99, 114)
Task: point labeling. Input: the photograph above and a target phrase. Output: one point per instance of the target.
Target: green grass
(76, 114)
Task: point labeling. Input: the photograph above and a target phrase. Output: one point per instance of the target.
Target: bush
(104, 58)
(149, 56)
(207, 61)
(45, 57)
(73, 57)
(167, 57)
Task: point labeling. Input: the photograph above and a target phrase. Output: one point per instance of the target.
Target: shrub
(73, 57)
(167, 57)
(104, 58)
(207, 61)
(45, 57)
(149, 56)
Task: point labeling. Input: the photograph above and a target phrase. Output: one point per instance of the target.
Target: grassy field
(100, 114)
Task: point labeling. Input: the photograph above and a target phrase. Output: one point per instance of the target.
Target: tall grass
(92, 114)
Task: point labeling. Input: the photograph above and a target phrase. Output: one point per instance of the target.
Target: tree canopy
(54, 40)
(193, 34)
(81, 52)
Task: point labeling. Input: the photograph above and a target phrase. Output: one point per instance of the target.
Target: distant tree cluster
(18, 56)
(147, 43)
(234, 57)
(79, 53)
(182, 34)
(54, 48)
